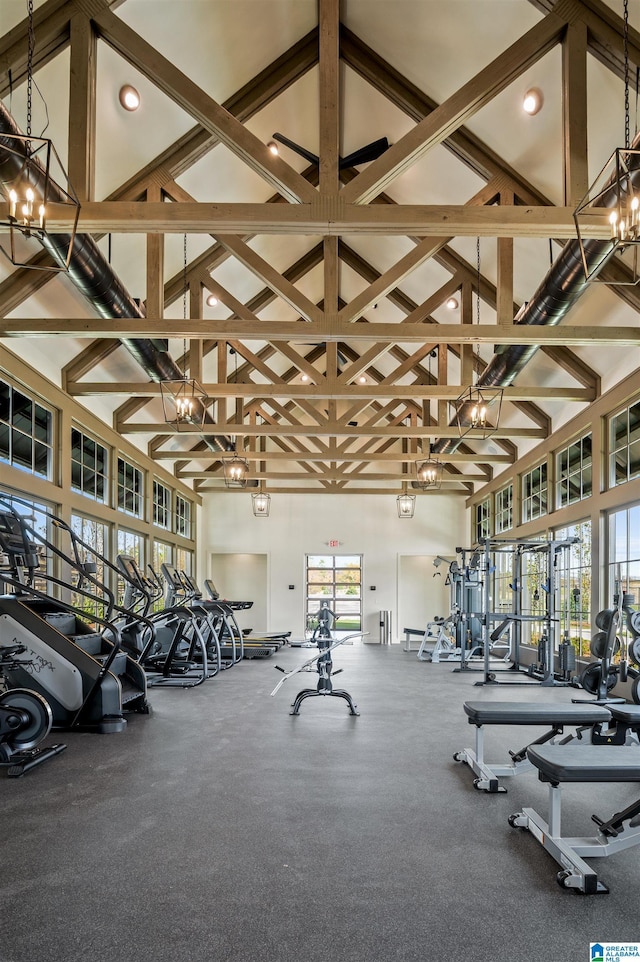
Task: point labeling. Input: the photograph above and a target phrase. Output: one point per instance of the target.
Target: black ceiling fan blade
(297, 148)
(365, 154)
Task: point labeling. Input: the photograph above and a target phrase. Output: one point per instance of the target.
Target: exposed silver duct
(93, 276)
(554, 298)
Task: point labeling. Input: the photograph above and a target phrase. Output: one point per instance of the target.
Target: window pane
(41, 424)
(41, 459)
(21, 450)
(5, 401)
(22, 412)
(89, 452)
(5, 444)
(618, 431)
(634, 459)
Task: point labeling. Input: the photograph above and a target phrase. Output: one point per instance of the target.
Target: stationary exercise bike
(25, 721)
(324, 664)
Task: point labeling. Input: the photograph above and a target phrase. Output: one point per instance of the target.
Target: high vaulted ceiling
(330, 359)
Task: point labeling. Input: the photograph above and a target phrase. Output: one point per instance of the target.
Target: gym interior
(319, 480)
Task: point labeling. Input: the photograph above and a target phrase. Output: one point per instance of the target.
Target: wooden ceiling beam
(209, 114)
(417, 220)
(329, 329)
(331, 429)
(52, 30)
(336, 455)
(457, 109)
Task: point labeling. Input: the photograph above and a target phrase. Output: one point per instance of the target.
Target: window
(25, 432)
(504, 509)
(38, 519)
(623, 559)
(575, 587)
(534, 493)
(130, 489)
(95, 534)
(183, 516)
(483, 520)
(132, 544)
(624, 445)
(88, 467)
(335, 580)
(162, 553)
(574, 472)
(161, 506)
(184, 560)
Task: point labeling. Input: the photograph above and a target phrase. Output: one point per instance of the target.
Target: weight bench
(582, 763)
(554, 717)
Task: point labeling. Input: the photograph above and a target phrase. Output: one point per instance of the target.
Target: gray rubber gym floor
(221, 828)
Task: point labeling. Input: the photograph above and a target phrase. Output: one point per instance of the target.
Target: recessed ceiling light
(362, 379)
(129, 97)
(304, 377)
(273, 148)
(212, 300)
(532, 101)
(452, 303)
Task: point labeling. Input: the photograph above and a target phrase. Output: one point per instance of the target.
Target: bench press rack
(583, 763)
(555, 717)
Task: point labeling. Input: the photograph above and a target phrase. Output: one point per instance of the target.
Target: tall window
(132, 544)
(25, 432)
(483, 520)
(161, 505)
(96, 535)
(183, 516)
(624, 445)
(534, 493)
(184, 560)
(37, 518)
(130, 489)
(162, 554)
(623, 558)
(504, 509)
(574, 472)
(575, 587)
(337, 581)
(88, 466)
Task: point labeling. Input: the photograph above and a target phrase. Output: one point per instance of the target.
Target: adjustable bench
(553, 717)
(582, 763)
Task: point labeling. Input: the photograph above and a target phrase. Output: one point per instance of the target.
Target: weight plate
(603, 618)
(40, 715)
(634, 650)
(634, 622)
(590, 679)
(598, 645)
(635, 693)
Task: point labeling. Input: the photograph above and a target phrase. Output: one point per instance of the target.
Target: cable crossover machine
(531, 573)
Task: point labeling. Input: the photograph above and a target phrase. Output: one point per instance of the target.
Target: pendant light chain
(184, 303)
(30, 45)
(627, 140)
(477, 293)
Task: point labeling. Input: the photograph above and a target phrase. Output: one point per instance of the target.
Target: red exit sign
(334, 543)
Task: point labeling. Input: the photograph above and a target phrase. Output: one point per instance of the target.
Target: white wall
(303, 524)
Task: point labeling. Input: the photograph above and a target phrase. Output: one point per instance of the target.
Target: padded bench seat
(551, 716)
(586, 763)
(558, 764)
(534, 713)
